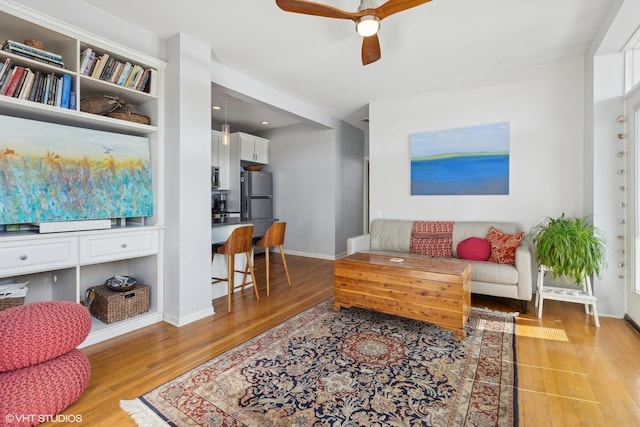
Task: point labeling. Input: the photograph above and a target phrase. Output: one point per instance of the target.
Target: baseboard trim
(184, 320)
(310, 255)
(632, 322)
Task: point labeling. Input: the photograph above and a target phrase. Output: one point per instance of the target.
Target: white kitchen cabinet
(62, 266)
(221, 157)
(253, 149)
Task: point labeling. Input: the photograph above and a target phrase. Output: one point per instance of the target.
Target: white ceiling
(317, 60)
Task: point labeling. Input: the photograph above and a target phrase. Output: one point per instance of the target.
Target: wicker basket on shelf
(101, 104)
(12, 294)
(10, 302)
(130, 113)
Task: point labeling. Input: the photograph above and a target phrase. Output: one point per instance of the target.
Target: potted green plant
(570, 247)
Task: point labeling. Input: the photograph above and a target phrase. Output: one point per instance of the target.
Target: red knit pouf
(32, 393)
(41, 371)
(33, 333)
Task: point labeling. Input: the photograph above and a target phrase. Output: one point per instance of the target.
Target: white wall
(349, 185)
(187, 177)
(607, 196)
(544, 106)
(97, 21)
(304, 161)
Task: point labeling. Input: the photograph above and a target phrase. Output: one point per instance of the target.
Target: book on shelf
(34, 50)
(132, 76)
(116, 73)
(37, 81)
(125, 74)
(15, 79)
(143, 81)
(33, 53)
(108, 67)
(45, 89)
(73, 100)
(26, 86)
(65, 91)
(5, 68)
(23, 79)
(7, 79)
(97, 71)
(58, 92)
(84, 59)
(91, 62)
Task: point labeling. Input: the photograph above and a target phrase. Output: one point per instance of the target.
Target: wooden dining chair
(273, 237)
(239, 242)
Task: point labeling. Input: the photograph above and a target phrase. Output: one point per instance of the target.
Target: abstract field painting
(465, 161)
(50, 172)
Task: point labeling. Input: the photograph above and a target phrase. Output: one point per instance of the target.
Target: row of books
(45, 88)
(33, 53)
(107, 68)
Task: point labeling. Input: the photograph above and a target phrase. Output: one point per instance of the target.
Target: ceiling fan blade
(317, 9)
(370, 49)
(395, 6)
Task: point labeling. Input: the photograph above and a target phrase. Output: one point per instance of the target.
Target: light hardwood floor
(589, 378)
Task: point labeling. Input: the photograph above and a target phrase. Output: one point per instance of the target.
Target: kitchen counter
(221, 222)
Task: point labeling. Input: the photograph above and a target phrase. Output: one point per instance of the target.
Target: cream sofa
(393, 237)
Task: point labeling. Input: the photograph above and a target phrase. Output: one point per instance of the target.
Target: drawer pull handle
(23, 257)
(124, 245)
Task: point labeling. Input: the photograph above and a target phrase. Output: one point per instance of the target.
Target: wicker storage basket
(12, 295)
(100, 104)
(10, 302)
(130, 113)
(110, 306)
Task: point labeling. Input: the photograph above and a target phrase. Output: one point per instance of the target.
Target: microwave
(215, 177)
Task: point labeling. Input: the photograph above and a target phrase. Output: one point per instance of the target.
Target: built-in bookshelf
(62, 266)
(62, 63)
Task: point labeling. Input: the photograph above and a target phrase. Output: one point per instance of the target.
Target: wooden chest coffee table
(432, 290)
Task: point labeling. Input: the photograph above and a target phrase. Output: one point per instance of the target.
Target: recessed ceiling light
(216, 107)
(264, 122)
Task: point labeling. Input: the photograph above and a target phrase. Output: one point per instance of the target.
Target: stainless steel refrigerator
(256, 199)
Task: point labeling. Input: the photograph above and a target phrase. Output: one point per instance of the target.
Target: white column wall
(187, 169)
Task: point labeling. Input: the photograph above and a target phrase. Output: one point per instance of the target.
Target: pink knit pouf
(31, 394)
(41, 371)
(33, 333)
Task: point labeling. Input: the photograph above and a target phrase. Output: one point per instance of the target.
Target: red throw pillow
(503, 246)
(474, 249)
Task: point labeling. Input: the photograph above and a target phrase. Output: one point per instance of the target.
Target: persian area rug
(349, 368)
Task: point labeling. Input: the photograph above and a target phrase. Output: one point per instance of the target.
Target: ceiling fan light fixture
(368, 25)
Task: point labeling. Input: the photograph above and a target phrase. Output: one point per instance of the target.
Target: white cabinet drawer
(43, 255)
(103, 248)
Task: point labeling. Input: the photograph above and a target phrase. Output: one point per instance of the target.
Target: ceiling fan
(367, 18)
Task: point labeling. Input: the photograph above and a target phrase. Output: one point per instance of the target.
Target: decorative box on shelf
(111, 306)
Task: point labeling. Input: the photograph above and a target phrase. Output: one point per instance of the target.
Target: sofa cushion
(432, 238)
(465, 229)
(474, 248)
(390, 235)
(503, 246)
(491, 272)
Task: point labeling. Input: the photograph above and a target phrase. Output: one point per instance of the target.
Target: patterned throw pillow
(503, 246)
(474, 249)
(434, 238)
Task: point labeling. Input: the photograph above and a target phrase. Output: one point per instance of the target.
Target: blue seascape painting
(465, 161)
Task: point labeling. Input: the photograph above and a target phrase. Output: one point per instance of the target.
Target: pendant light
(225, 127)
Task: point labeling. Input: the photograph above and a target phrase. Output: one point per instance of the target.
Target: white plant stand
(581, 296)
